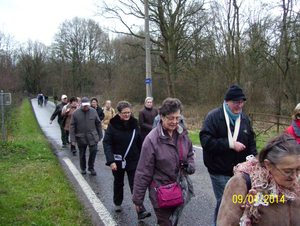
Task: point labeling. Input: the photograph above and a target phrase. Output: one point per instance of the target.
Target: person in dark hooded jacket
(122, 146)
(94, 104)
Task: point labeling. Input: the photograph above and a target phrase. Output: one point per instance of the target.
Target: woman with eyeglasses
(161, 162)
(294, 129)
(122, 146)
(273, 198)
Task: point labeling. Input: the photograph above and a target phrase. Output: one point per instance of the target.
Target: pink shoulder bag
(170, 195)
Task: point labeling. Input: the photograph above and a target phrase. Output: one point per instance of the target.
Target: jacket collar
(148, 109)
(179, 129)
(221, 113)
(118, 123)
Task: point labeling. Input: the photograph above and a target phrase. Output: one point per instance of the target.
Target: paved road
(95, 192)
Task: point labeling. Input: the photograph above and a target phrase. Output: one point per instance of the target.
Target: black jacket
(218, 157)
(117, 138)
(57, 112)
(99, 112)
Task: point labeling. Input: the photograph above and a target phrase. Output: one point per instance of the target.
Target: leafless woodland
(198, 50)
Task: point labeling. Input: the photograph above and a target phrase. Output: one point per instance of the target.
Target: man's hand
(113, 166)
(73, 143)
(238, 146)
(50, 122)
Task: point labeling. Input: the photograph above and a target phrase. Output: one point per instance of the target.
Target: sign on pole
(5, 99)
(148, 81)
(149, 87)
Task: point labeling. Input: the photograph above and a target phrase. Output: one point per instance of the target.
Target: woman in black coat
(94, 104)
(123, 134)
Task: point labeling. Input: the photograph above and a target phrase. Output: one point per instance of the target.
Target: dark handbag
(170, 195)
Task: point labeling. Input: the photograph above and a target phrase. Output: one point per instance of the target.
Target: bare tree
(128, 58)
(228, 26)
(9, 79)
(32, 64)
(78, 52)
(171, 24)
(283, 53)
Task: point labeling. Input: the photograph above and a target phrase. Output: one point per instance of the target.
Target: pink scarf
(262, 185)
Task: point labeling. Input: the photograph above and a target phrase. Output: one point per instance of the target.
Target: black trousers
(67, 136)
(93, 152)
(64, 136)
(119, 184)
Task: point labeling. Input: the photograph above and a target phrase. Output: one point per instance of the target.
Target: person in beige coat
(109, 113)
(275, 188)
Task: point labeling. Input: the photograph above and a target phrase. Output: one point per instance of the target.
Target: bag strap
(181, 161)
(248, 181)
(129, 144)
(181, 152)
(153, 185)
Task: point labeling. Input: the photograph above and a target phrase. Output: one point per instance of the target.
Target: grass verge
(194, 136)
(33, 187)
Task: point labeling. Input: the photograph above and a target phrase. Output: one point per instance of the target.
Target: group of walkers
(156, 154)
(42, 100)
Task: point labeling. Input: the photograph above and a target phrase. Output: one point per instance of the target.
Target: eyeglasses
(290, 173)
(238, 102)
(125, 113)
(172, 119)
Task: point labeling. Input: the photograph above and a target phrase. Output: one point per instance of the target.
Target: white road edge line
(97, 204)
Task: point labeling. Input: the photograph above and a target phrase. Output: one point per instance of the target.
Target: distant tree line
(198, 51)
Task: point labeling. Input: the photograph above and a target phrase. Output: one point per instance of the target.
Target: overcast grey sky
(39, 19)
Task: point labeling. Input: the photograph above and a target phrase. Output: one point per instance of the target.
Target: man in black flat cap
(227, 139)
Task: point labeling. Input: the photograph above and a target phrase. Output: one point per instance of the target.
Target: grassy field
(33, 187)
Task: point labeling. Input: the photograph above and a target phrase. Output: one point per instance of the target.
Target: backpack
(248, 182)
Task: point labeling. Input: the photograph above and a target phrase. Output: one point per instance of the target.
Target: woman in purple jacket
(160, 161)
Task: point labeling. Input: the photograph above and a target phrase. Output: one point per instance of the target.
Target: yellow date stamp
(261, 199)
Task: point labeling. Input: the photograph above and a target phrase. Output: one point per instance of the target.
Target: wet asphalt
(198, 212)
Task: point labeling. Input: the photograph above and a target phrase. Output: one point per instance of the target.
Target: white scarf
(231, 138)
